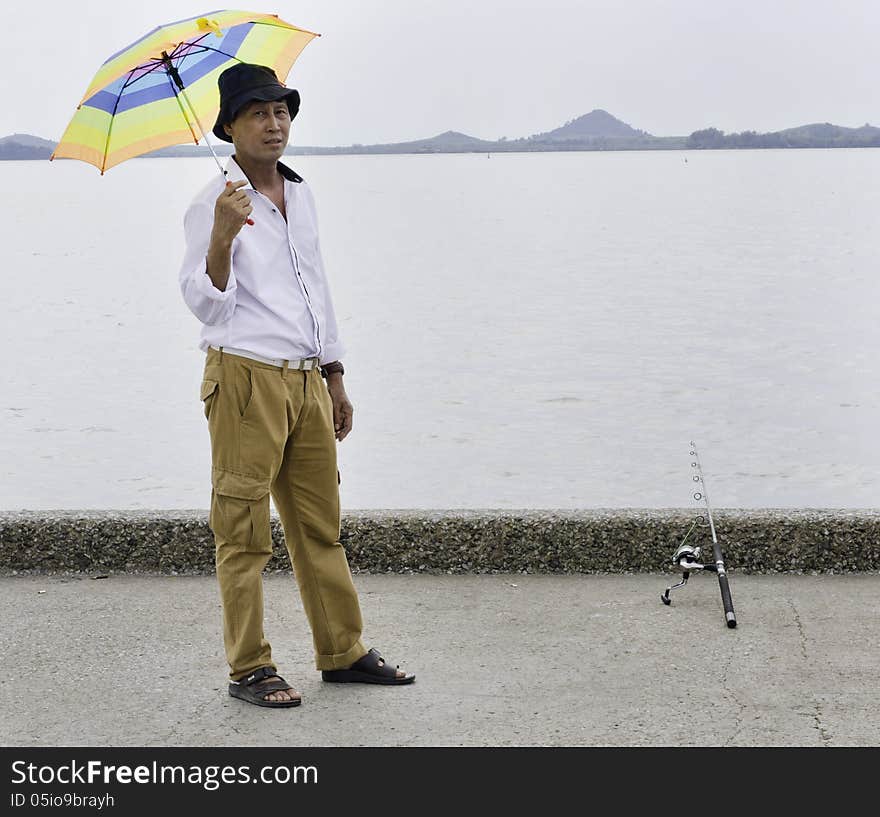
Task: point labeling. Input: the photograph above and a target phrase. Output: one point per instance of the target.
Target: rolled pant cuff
(341, 660)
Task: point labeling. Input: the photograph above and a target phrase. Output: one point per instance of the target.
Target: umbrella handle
(248, 220)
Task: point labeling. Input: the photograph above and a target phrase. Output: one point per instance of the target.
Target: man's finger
(342, 420)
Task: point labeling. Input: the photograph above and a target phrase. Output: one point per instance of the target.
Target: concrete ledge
(491, 541)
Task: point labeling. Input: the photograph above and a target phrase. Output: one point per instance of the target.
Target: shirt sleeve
(205, 301)
(332, 348)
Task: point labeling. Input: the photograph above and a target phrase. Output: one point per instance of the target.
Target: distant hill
(596, 130)
(818, 130)
(595, 124)
(827, 133)
(25, 146)
(448, 142)
(817, 135)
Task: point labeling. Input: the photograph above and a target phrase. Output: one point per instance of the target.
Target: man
(253, 275)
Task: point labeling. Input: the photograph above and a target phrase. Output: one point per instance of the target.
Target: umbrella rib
(147, 68)
(216, 51)
(194, 44)
(232, 56)
(113, 119)
(154, 63)
(174, 77)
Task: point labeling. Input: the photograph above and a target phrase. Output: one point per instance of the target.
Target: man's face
(260, 131)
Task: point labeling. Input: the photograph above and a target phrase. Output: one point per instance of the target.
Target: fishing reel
(687, 559)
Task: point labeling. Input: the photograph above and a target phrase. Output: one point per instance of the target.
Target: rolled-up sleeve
(332, 348)
(205, 301)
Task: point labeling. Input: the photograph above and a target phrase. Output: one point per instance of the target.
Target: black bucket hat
(243, 83)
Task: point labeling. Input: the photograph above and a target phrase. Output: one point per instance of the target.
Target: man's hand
(342, 408)
(231, 212)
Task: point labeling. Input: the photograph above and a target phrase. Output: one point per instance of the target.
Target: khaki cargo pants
(272, 432)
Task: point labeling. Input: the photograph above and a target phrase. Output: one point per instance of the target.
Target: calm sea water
(524, 331)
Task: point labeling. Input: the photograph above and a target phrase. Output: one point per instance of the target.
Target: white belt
(305, 364)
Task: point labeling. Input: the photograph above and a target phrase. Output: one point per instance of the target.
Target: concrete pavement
(501, 660)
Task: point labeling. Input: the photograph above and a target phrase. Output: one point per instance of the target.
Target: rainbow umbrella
(159, 90)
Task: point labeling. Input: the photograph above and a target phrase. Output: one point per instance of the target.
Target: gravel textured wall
(623, 540)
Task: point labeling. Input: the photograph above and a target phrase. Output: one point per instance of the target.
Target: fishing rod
(687, 557)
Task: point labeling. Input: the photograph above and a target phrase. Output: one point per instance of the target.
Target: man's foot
(286, 694)
(264, 687)
(371, 669)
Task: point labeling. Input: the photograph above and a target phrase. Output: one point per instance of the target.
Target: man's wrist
(334, 370)
(220, 243)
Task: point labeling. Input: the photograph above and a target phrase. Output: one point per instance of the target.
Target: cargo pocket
(240, 512)
(207, 393)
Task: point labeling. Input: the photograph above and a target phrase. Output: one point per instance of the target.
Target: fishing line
(687, 557)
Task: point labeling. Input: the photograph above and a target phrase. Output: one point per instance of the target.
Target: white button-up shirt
(277, 301)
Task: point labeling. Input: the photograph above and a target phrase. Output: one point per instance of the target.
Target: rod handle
(726, 600)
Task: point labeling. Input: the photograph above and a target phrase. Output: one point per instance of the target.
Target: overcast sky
(394, 70)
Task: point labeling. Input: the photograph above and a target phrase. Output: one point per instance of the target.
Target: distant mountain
(817, 135)
(448, 142)
(595, 124)
(818, 130)
(25, 146)
(596, 130)
(826, 132)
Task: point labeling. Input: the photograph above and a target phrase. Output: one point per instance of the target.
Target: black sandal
(251, 689)
(371, 669)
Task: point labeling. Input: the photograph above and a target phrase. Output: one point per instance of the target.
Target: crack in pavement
(817, 709)
(729, 693)
(196, 712)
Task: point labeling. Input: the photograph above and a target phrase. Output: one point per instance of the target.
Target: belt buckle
(303, 364)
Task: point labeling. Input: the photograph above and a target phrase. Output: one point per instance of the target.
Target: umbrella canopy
(159, 90)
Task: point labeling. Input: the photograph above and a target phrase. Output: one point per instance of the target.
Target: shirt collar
(234, 173)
